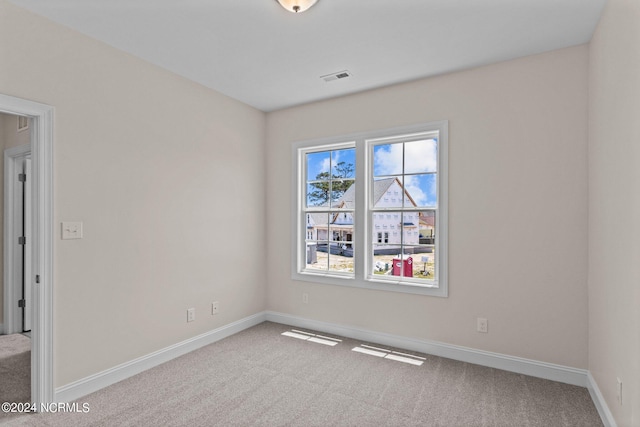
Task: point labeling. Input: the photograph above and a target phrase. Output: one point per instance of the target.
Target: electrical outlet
(305, 298)
(214, 307)
(619, 390)
(483, 325)
(191, 314)
(71, 230)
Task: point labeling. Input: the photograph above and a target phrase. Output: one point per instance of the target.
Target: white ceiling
(260, 54)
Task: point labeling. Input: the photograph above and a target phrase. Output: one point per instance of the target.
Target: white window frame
(363, 240)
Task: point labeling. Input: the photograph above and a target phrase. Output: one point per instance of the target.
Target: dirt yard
(345, 264)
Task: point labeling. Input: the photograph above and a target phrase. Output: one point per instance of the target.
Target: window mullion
(361, 215)
(301, 214)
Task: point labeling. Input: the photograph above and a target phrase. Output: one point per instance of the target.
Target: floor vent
(411, 359)
(308, 336)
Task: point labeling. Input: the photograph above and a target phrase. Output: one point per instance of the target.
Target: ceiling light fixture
(296, 6)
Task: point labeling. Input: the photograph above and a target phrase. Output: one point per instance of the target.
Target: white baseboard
(519, 365)
(77, 389)
(601, 404)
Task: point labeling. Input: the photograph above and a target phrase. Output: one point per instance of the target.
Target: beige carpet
(15, 370)
(262, 378)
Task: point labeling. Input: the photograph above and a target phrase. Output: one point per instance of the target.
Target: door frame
(41, 127)
(12, 263)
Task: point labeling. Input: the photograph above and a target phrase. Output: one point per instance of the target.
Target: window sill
(371, 283)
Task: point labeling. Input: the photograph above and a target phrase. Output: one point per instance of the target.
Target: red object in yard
(408, 266)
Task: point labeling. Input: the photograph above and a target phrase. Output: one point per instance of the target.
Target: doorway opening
(15, 344)
(17, 236)
(38, 253)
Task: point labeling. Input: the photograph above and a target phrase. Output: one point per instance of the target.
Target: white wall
(166, 176)
(614, 208)
(518, 202)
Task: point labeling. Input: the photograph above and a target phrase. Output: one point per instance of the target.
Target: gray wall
(614, 208)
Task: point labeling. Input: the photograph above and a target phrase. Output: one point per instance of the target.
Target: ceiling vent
(336, 76)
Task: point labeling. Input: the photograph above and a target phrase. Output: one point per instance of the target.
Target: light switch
(71, 230)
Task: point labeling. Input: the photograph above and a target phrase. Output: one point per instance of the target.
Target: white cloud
(388, 159)
(420, 156)
(412, 186)
(324, 166)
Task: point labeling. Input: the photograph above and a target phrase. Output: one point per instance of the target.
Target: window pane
(317, 224)
(316, 259)
(427, 227)
(387, 240)
(387, 193)
(330, 242)
(330, 174)
(421, 156)
(318, 165)
(343, 194)
(424, 262)
(388, 262)
(317, 193)
(422, 190)
(340, 250)
(343, 219)
(404, 244)
(410, 228)
(387, 228)
(317, 236)
(383, 255)
(343, 163)
(387, 159)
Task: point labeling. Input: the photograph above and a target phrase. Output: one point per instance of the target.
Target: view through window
(404, 202)
(374, 210)
(330, 204)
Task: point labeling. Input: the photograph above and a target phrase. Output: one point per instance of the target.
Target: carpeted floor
(15, 370)
(261, 378)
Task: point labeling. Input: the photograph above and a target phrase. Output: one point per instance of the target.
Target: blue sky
(319, 162)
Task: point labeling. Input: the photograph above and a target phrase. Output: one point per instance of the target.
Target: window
(328, 204)
(386, 238)
(343, 210)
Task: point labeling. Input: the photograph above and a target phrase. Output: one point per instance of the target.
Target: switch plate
(215, 307)
(191, 314)
(71, 230)
(483, 325)
(305, 298)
